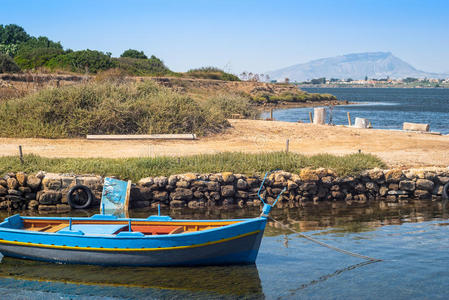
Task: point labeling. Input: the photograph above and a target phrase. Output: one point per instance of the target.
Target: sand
(396, 148)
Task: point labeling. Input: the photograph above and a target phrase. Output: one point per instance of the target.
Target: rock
(397, 193)
(33, 182)
(50, 197)
(383, 190)
(193, 204)
(15, 192)
(438, 190)
(177, 203)
(228, 177)
(67, 181)
(241, 184)
(172, 179)
(391, 198)
(60, 208)
(443, 179)
(189, 177)
(181, 194)
(47, 208)
(215, 196)
(14, 198)
(30, 196)
(361, 198)
(241, 194)
(12, 183)
(327, 180)
(372, 186)
(227, 191)
(338, 195)
(198, 195)
(228, 201)
(3, 183)
(422, 195)
(53, 184)
(183, 184)
(241, 203)
(376, 174)
(360, 188)
(407, 185)
(161, 181)
(21, 178)
(213, 186)
(291, 185)
(89, 180)
(308, 175)
(393, 186)
(310, 187)
(147, 181)
(160, 195)
(393, 176)
(33, 204)
(253, 182)
(3, 190)
(24, 189)
(424, 184)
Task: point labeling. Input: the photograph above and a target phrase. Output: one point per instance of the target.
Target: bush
(105, 108)
(32, 58)
(134, 54)
(227, 105)
(7, 64)
(142, 67)
(84, 61)
(211, 73)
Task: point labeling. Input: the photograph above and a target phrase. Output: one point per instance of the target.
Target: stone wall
(46, 192)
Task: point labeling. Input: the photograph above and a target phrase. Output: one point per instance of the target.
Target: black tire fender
(71, 196)
(446, 191)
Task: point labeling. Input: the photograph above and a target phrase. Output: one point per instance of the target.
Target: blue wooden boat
(155, 241)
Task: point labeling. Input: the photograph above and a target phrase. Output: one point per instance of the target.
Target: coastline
(284, 105)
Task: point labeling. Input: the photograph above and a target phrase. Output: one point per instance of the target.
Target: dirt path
(395, 148)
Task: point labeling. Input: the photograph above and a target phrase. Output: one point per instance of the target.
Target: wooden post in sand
(271, 114)
(310, 117)
(349, 119)
(319, 115)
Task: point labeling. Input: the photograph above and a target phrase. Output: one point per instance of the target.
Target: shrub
(105, 108)
(227, 105)
(32, 58)
(141, 67)
(90, 61)
(134, 54)
(7, 64)
(211, 73)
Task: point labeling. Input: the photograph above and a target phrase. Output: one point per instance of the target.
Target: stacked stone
(44, 192)
(48, 192)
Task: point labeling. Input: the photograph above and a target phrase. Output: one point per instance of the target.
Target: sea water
(385, 108)
(411, 239)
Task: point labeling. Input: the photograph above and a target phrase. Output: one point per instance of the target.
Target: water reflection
(226, 281)
(352, 227)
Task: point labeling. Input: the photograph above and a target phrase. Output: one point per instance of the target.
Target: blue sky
(255, 36)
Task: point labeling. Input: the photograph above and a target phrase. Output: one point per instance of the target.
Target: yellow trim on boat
(125, 249)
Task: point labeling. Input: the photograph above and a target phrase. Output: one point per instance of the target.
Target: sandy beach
(396, 148)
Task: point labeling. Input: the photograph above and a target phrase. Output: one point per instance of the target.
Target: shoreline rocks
(47, 192)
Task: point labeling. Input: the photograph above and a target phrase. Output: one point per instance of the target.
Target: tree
(134, 54)
(7, 65)
(13, 34)
(10, 49)
(32, 58)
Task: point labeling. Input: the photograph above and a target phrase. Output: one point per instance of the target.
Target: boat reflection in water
(215, 281)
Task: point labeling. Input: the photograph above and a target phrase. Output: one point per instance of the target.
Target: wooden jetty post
(271, 114)
(20, 154)
(310, 117)
(349, 119)
(319, 115)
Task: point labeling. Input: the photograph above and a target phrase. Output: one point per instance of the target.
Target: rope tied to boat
(326, 245)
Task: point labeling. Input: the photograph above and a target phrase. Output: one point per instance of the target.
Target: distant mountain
(356, 66)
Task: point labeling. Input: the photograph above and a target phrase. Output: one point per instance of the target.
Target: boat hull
(235, 244)
(241, 250)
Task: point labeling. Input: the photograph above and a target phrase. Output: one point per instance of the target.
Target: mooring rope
(326, 245)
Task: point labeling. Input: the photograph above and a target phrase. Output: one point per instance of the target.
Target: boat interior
(118, 226)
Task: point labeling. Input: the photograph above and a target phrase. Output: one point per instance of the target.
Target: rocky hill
(356, 66)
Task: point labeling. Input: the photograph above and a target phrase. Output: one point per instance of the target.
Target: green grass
(106, 108)
(136, 168)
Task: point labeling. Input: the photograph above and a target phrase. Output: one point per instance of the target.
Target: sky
(252, 36)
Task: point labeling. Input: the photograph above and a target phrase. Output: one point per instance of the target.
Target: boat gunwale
(237, 223)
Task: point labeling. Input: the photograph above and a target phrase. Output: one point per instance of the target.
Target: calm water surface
(386, 108)
(412, 239)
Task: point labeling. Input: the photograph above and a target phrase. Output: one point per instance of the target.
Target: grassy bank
(136, 168)
(113, 107)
